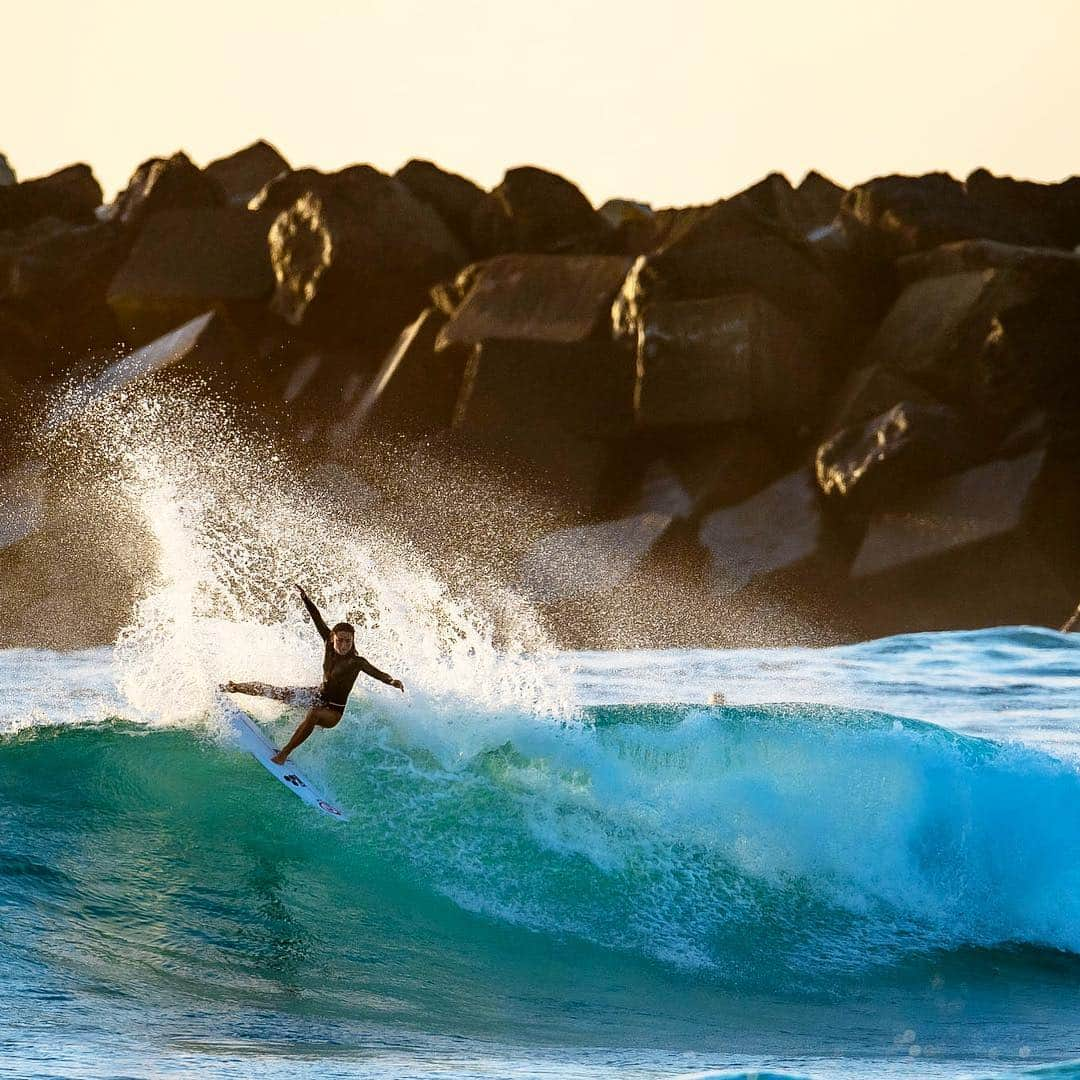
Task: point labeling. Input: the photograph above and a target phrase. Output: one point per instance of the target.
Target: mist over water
(567, 863)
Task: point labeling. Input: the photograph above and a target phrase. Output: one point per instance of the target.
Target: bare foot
(279, 758)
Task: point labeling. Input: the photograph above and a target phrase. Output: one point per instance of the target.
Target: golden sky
(672, 101)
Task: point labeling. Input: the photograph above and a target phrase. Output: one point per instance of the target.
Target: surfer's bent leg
(317, 716)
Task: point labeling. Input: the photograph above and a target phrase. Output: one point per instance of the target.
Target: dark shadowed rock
(960, 511)
(636, 227)
(908, 445)
(1045, 213)
(415, 388)
(165, 184)
(280, 193)
(71, 194)
(456, 199)
(7, 173)
(818, 202)
(964, 256)
(898, 215)
(547, 213)
(58, 281)
(995, 343)
(716, 361)
(689, 473)
(869, 391)
(779, 530)
(732, 248)
(552, 298)
(552, 409)
(357, 262)
(244, 174)
(185, 261)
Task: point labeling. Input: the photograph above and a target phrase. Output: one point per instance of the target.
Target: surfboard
(251, 738)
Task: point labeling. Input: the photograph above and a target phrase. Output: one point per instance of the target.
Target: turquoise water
(866, 864)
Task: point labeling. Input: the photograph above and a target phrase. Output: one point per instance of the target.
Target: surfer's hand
(397, 683)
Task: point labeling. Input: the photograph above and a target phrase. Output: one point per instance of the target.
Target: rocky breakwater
(799, 414)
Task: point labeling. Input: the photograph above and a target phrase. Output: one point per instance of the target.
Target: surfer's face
(342, 642)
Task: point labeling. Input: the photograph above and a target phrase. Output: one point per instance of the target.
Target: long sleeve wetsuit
(339, 672)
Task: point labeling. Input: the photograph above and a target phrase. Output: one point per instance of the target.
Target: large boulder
(818, 202)
(964, 256)
(546, 212)
(908, 445)
(1046, 213)
(58, 280)
(733, 247)
(357, 261)
(414, 390)
(895, 215)
(734, 358)
(71, 194)
(779, 531)
(561, 299)
(553, 411)
(185, 261)
(868, 392)
(160, 184)
(958, 511)
(244, 174)
(456, 199)
(992, 343)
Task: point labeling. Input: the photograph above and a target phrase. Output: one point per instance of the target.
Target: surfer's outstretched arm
(381, 676)
(316, 617)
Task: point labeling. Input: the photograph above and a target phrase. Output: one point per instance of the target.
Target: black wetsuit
(339, 672)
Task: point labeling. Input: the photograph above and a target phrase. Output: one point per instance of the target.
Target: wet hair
(343, 628)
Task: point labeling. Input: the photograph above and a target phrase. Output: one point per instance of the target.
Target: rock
(716, 361)
(733, 248)
(553, 298)
(448, 296)
(7, 173)
(959, 511)
(414, 390)
(244, 174)
(588, 559)
(1047, 214)
(781, 529)
(547, 213)
(552, 409)
(185, 261)
(898, 215)
(72, 264)
(687, 474)
(457, 200)
(995, 344)
(72, 195)
(909, 444)
(357, 262)
(637, 227)
(869, 391)
(818, 202)
(965, 256)
(161, 184)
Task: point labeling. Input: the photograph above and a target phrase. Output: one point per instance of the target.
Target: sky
(672, 102)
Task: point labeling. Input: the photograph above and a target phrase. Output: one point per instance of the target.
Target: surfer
(342, 665)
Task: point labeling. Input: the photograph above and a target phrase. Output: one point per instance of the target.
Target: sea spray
(231, 527)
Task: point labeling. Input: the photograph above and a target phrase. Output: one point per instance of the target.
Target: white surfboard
(250, 736)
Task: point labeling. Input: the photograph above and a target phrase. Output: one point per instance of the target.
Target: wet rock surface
(797, 409)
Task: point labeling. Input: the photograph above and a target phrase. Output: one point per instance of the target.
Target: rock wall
(796, 414)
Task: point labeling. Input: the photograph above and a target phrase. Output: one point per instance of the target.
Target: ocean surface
(866, 863)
